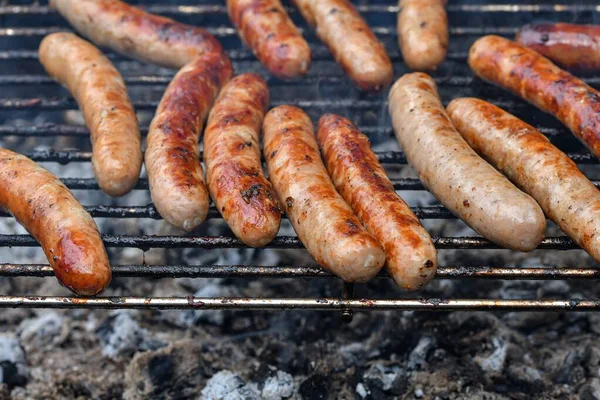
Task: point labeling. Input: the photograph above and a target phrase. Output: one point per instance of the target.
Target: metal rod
(257, 271)
(191, 302)
(145, 242)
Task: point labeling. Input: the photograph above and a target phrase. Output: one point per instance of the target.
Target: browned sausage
(175, 174)
(102, 97)
(533, 77)
(350, 40)
(234, 174)
(574, 47)
(468, 186)
(423, 33)
(324, 222)
(266, 28)
(529, 159)
(67, 233)
(362, 182)
(135, 33)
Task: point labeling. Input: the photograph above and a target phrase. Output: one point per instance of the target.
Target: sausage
(324, 222)
(351, 42)
(528, 158)
(574, 47)
(423, 33)
(543, 84)
(468, 186)
(51, 214)
(362, 182)
(102, 96)
(135, 33)
(234, 174)
(175, 175)
(266, 28)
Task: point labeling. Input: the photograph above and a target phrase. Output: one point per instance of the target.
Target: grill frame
(346, 302)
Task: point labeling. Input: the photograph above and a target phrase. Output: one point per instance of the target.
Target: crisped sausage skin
(423, 33)
(529, 159)
(266, 28)
(537, 80)
(67, 233)
(102, 96)
(411, 258)
(324, 222)
(135, 33)
(234, 174)
(571, 46)
(175, 174)
(468, 186)
(350, 40)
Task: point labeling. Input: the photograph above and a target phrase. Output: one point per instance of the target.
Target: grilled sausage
(574, 47)
(324, 222)
(362, 182)
(67, 233)
(135, 33)
(175, 175)
(350, 40)
(234, 174)
(468, 186)
(533, 77)
(266, 28)
(102, 96)
(423, 33)
(528, 158)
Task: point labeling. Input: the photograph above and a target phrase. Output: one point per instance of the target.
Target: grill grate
(27, 91)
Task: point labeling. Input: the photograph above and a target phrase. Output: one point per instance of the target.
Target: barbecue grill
(27, 92)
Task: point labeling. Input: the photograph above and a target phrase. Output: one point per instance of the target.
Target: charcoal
(226, 385)
(13, 368)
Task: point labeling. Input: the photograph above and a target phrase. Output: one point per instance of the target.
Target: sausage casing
(411, 258)
(540, 82)
(350, 40)
(175, 175)
(423, 33)
(574, 47)
(49, 212)
(266, 28)
(529, 159)
(324, 222)
(468, 186)
(234, 174)
(102, 96)
(135, 33)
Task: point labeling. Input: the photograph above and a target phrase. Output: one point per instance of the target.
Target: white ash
(278, 386)
(494, 363)
(385, 376)
(226, 385)
(13, 366)
(46, 329)
(417, 358)
(361, 390)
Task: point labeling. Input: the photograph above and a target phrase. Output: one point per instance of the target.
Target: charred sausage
(102, 96)
(540, 82)
(266, 28)
(234, 174)
(362, 182)
(135, 33)
(350, 40)
(423, 33)
(574, 47)
(175, 175)
(324, 222)
(49, 212)
(528, 158)
(468, 186)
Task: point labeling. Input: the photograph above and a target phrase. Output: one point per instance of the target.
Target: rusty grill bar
(457, 80)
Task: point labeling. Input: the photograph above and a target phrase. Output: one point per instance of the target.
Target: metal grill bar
(191, 302)
(145, 242)
(49, 129)
(256, 271)
(385, 157)
(367, 8)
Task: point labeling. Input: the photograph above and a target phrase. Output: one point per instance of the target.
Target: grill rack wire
(11, 31)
